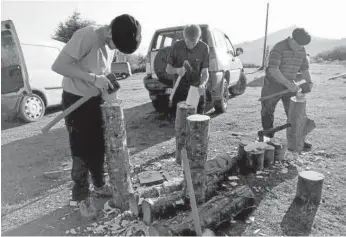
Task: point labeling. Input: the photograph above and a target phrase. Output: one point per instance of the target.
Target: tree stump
(309, 187)
(269, 156)
(280, 150)
(242, 157)
(197, 152)
(301, 124)
(183, 111)
(255, 155)
(117, 155)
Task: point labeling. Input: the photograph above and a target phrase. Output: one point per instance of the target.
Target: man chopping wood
(196, 52)
(286, 59)
(84, 62)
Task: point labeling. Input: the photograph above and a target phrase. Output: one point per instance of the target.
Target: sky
(241, 20)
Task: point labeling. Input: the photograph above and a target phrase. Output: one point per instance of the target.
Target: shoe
(307, 146)
(105, 191)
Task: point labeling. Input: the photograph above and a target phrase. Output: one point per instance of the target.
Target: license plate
(169, 91)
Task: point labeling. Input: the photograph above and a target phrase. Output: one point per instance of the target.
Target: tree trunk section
(197, 152)
(242, 156)
(269, 156)
(255, 155)
(309, 187)
(183, 111)
(219, 209)
(153, 208)
(136, 198)
(301, 124)
(117, 155)
(280, 149)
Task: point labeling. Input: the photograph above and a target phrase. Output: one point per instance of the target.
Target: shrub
(336, 54)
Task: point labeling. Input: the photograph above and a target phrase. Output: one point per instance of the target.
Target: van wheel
(123, 76)
(221, 105)
(32, 108)
(240, 87)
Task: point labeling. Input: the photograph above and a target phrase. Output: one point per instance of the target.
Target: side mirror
(239, 51)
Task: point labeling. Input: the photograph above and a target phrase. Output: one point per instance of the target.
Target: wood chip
(180, 202)
(256, 231)
(73, 232)
(233, 184)
(73, 204)
(259, 177)
(233, 178)
(252, 219)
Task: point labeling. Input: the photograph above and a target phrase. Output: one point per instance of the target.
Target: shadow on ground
(298, 219)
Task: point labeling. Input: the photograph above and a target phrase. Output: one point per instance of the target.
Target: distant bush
(336, 54)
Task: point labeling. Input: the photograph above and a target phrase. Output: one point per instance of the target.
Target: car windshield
(167, 38)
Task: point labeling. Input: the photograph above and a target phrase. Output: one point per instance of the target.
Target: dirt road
(26, 154)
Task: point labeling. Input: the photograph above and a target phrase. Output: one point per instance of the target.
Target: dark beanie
(301, 36)
(125, 33)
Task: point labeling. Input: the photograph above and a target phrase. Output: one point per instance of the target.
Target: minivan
(121, 69)
(28, 85)
(226, 73)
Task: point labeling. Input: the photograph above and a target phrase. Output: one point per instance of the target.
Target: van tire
(124, 76)
(222, 104)
(240, 87)
(32, 108)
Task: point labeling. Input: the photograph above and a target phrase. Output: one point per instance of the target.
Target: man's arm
(306, 72)
(75, 49)
(205, 67)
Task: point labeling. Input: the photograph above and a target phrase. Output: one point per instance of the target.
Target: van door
(14, 75)
(234, 61)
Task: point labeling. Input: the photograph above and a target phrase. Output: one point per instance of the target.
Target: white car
(30, 86)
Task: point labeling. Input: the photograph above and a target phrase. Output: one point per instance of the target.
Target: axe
(80, 102)
(301, 84)
(188, 68)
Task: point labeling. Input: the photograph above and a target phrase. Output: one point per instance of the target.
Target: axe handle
(174, 89)
(281, 92)
(66, 112)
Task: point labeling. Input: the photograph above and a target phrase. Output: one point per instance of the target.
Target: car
(121, 69)
(226, 72)
(29, 86)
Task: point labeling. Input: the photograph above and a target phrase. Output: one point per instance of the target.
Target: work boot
(104, 191)
(307, 146)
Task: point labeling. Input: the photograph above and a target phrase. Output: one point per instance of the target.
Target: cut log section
(216, 211)
(280, 149)
(255, 155)
(136, 198)
(301, 125)
(309, 187)
(197, 151)
(117, 154)
(242, 157)
(152, 208)
(269, 156)
(183, 111)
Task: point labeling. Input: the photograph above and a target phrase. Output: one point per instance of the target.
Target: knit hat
(301, 36)
(126, 33)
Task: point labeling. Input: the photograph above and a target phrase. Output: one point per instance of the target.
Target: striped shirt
(287, 60)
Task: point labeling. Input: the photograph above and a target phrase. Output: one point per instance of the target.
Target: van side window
(229, 45)
(11, 74)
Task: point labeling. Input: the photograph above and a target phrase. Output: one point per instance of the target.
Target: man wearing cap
(196, 53)
(84, 62)
(286, 59)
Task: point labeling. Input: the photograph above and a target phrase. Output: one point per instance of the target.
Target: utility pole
(265, 39)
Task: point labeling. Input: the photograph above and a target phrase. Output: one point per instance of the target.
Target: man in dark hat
(84, 62)
(286, 59)
(196, 52)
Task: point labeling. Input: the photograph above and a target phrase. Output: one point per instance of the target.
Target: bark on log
(269, 156)
(117, 154)
(219, 209)
(183, 111)
(136, 198)
(280, 149)
(255, 155)
(301, 124)
(242, 157)
(197, 151)
(309, 187)
(152, 208)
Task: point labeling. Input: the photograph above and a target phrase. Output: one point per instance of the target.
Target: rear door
(234, 62)
(14, 75)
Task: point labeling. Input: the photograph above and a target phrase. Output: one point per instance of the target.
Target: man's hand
(292, 87)
(181, 71)
(201, 89)
(103, 83)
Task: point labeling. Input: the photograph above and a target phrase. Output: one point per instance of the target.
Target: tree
(66, 29)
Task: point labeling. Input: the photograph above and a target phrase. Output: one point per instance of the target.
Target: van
(121, 69)
(226, 73)
(28, 85)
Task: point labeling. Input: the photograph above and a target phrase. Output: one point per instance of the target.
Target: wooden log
(136, 198)
(183, 111)
(269, 156)
(117, 154)
(301, 124)
(219, 209)
(309, 187)
(255, 155)
(197, 151)
(152, 208)
(280, 149)
(242, 157)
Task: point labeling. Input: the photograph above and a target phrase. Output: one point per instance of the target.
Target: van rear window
(167, 38)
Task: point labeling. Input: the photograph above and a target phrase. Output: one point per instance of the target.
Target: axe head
(113, 79)
(305, 88)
